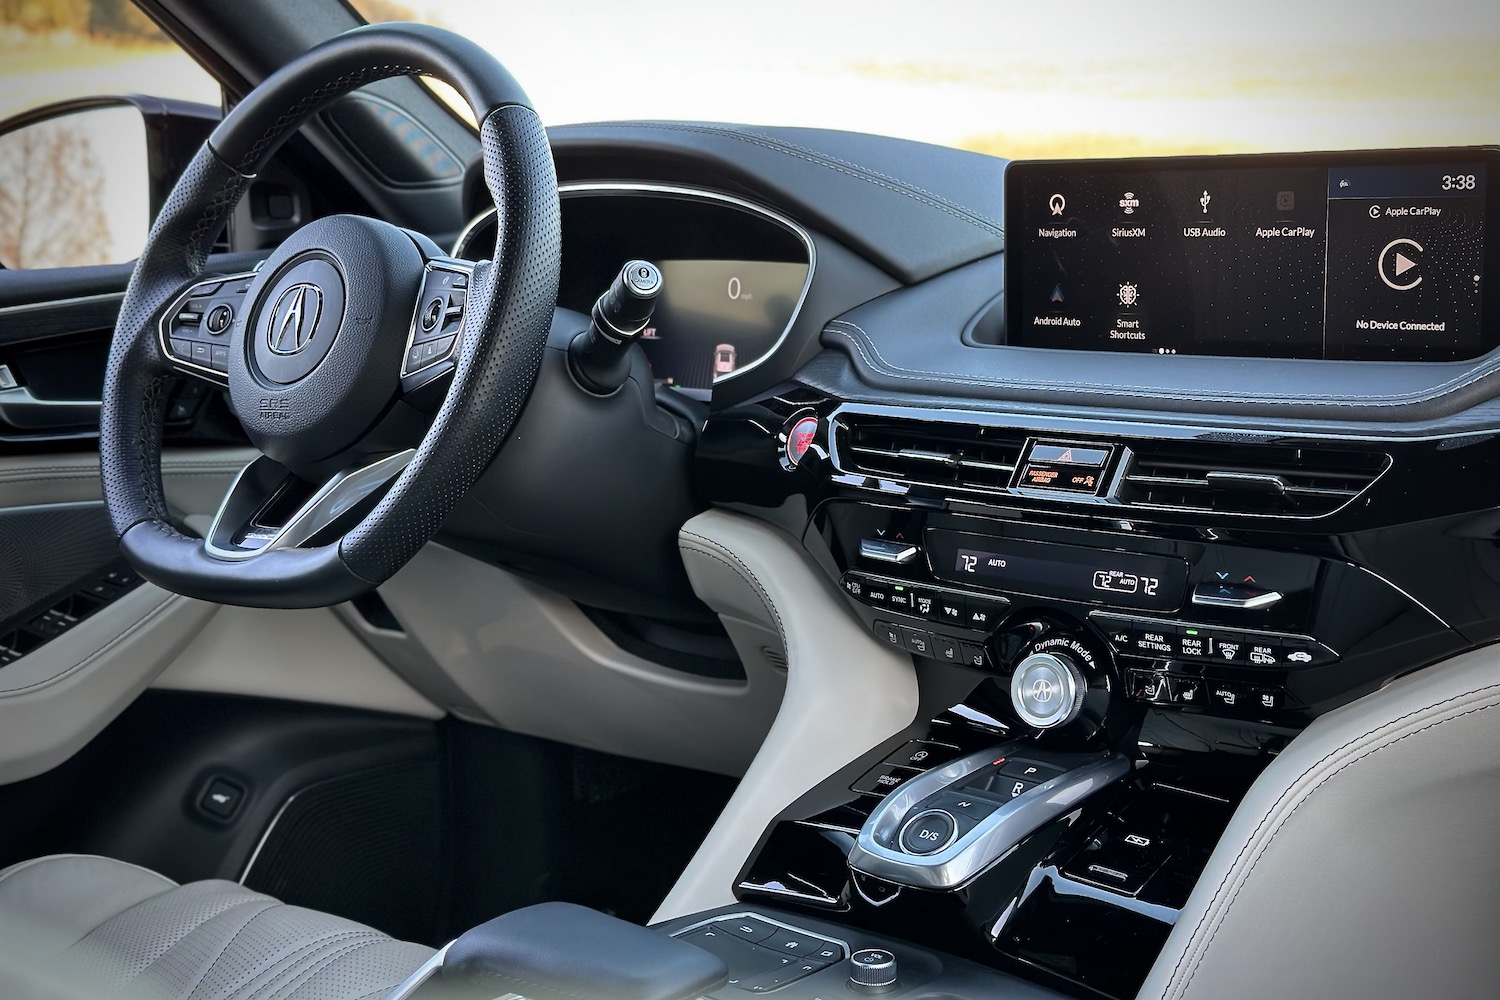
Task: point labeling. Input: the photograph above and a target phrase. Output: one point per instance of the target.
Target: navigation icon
(1057, 294)
(1398, 262)
(1057, 203)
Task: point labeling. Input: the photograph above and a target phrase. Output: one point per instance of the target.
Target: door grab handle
(22, 411)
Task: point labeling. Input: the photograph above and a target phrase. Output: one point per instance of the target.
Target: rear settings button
(928, 832)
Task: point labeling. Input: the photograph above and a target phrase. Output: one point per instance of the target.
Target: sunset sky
(1067, 77)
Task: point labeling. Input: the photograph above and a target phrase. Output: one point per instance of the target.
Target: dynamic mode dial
(1047, 690)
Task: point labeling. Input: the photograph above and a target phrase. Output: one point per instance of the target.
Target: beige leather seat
(1362, 864)
(87, 928)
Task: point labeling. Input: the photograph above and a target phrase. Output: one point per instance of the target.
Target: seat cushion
(75, 927)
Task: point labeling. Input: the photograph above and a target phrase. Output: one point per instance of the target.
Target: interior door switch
(885, 550)
(222, 799)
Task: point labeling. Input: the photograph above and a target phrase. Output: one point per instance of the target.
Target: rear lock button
(928, 832)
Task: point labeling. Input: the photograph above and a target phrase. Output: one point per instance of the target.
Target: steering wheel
(322, 348)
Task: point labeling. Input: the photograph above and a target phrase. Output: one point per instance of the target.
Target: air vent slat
(930, 453)
(1246, 479)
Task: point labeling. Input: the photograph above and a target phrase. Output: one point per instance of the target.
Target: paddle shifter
(599, 356)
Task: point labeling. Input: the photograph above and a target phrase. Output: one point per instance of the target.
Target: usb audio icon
(1204, 202)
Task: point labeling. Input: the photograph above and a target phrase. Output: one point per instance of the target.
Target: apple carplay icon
(1399, 264)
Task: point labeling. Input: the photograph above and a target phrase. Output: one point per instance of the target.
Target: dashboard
(1207, 445)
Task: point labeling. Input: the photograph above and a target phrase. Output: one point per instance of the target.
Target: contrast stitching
(743, 571)
(1219, 920)
(841, 327)
(855, 170)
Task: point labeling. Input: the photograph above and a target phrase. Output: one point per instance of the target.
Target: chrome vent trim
(939, 455)
(1248, 480)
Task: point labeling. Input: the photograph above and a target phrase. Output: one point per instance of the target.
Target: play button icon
(1397, 262)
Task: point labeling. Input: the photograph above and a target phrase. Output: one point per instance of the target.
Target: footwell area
(419, 829)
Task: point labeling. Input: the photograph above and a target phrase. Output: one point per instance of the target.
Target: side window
(74, 185)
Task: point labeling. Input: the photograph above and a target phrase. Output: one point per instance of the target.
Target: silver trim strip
(594, 188)
(986, 843)
(424, 972)
(335, 497)
(270, 828)
(78, 300)
(1263, 600)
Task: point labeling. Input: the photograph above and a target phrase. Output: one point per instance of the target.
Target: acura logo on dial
(294, 318)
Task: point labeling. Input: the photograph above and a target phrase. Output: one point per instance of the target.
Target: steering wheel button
(928, 832)
(182, 348)
(219, 360)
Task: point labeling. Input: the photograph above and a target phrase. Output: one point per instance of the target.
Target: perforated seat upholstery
(84, 928)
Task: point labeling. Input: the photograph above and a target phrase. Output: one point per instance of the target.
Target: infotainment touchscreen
(1356, 256)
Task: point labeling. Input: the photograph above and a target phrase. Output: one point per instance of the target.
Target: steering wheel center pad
(317, 360)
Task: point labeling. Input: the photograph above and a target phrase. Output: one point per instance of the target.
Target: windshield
(1079, 78)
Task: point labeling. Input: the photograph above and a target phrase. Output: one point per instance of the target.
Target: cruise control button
(928, 832)
(182, 349)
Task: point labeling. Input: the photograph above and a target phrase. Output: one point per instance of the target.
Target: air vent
(964, 456)
(1259, 480)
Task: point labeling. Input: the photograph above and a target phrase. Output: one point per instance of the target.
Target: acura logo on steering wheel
(294, 318)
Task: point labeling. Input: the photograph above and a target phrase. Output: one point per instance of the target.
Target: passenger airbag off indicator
(1068, 468)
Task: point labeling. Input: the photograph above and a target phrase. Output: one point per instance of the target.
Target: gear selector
(942, 828)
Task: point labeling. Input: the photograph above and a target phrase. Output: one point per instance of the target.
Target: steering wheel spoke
(270, 508)
(437, 323)
(197, 330)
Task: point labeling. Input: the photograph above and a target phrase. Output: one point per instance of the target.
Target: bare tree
(51, 198)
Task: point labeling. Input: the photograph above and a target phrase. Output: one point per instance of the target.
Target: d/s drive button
(928, 832)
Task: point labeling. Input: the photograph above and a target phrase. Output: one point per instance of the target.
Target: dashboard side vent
(1260, 480)
(931, 453)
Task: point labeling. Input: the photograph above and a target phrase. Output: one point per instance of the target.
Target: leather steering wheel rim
(511, 300)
